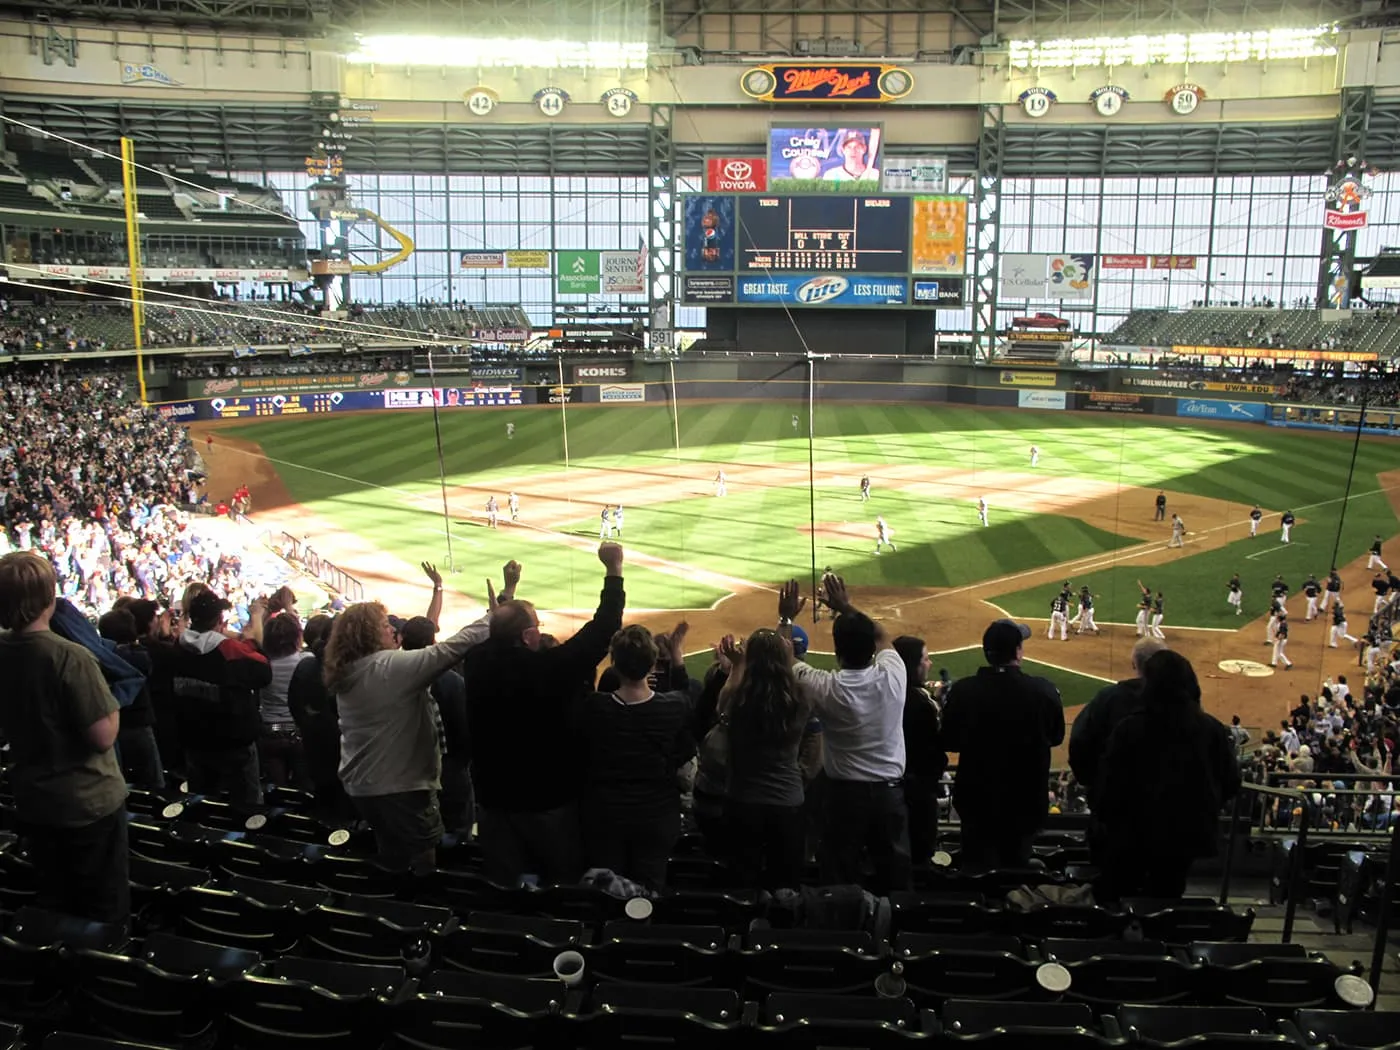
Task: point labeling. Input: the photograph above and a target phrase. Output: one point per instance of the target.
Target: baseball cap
(800, 642)
(206, 608)
(1001, 639)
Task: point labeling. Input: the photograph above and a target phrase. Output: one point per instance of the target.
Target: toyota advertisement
(814, 289)
(736, 175)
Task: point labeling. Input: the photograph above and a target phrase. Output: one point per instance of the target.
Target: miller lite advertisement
(736, 175)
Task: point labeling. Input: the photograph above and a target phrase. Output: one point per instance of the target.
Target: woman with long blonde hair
(390, 762)
(767, 716)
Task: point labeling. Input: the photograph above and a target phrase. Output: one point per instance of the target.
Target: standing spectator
(314, 709)
(767, 718)
(925, 758)
(449, 692)
(1173, 761)
(61, 721)
(136, 737)
(861, 707)
(390, 759)
(524, 757)
(1002, 723)
(1239, 736)
(633, 741)
(280, 750)
(1088, 739)
(216, 681)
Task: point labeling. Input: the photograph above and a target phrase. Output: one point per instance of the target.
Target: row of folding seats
(181, 993)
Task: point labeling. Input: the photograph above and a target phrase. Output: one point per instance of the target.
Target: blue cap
(800, 642)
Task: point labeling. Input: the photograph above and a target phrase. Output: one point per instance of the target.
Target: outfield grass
(1075, 689)
(377, 475)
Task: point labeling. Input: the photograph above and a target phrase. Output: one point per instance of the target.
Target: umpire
(1002, 723)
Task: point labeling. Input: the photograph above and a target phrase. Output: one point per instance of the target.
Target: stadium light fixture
(1265, 45)
(484, 53)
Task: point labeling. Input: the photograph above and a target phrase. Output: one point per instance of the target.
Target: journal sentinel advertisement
(816, 289)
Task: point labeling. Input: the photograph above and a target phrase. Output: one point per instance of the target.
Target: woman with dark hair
(314, 710)
(767, 717)
(1168, 771)
(281, 755)
(925, 760)
(632, 740)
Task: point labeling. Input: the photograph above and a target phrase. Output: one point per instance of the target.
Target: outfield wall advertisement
(1049, 399)
(301, 404)
(1240, 411)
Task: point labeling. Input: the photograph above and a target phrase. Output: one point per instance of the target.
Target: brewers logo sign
(826, 82)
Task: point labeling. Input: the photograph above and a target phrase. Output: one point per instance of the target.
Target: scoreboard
(823, 250)
(830, 234)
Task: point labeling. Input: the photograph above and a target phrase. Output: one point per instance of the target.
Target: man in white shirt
(1288, 740)
(861, 708)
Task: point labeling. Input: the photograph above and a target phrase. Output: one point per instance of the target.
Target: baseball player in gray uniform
(1178, 532)
(883, 534)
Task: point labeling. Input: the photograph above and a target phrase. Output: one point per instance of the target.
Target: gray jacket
(388, 738)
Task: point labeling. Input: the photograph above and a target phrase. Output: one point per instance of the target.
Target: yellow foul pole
(133, 260)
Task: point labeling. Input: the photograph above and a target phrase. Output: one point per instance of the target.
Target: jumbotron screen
(829, 233)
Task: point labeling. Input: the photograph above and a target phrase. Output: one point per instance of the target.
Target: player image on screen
(853, 149)
(824, 159)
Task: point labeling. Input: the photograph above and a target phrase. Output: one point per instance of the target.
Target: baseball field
(365, 490)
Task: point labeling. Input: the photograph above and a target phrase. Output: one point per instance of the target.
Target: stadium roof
(1007, 19)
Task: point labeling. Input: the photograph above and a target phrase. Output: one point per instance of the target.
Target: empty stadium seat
(1106, 973)
(811, 960)
(310, 1002)
(382, 932)
(1042, 1026)
(951, 913)
(1348, 1030)
(837, 1021)
(939, 967)
(677, 955)
(485, 1012)
(659, 1016)
(229, 917)
(1208, 1027)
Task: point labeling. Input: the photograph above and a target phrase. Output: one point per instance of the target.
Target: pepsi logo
(822, 290)
(738, 170)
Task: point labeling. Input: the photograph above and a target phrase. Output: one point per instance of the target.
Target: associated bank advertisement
(1242, 411)
(815, 289)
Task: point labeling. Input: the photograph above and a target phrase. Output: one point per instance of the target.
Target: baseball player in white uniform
(1281, 643)
(721, 484)
(1059, 616)
(1178, 532)
(605, 522)
(794, 422)
(493, 510)
(1158, 607)
(1144, 613)
(510, 431)
(1286, 524)
(1375, 558)
(1255, 516)
(1339, 625)
(513, 503)
(1276, 607)
(617, 520)
(982, 510)
(1312, 590)
(883, 534)
(1236, 593)
(865, 488)
(1035, 455)
(1333, 593)
(1086, 613)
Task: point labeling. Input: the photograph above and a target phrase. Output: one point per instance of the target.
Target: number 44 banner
(598, 273)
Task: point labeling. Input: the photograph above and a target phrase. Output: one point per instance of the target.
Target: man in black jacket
(1002, 723)
(216, 681)
(524, 758)
(1088, 738)
(1168, 771)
